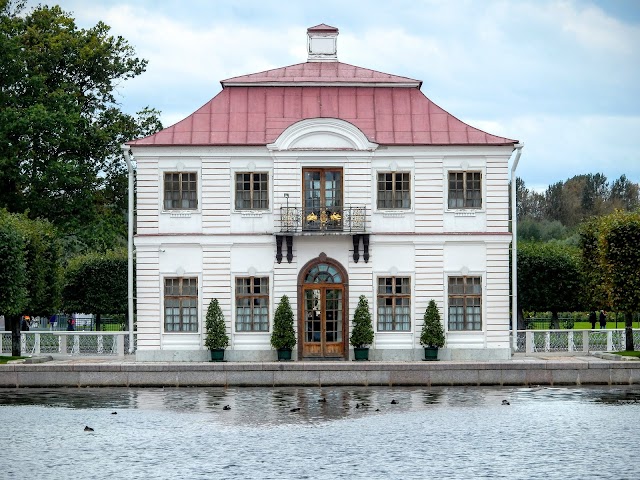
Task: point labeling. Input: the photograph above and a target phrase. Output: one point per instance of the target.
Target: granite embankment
(126, 372)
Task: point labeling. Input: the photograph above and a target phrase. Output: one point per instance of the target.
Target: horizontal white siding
(429, 282)
(497, 194)
(216, 195)
(497, 295)
(148, 317)
(216, 281)
(147, 196)
(429, 193)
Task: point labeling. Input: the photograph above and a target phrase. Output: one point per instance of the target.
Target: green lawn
(4, 359)
(628, 353)
(610, 324)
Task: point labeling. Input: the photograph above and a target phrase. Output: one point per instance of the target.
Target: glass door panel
(322, 194)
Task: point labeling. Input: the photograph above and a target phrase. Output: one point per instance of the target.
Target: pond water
(320, 433)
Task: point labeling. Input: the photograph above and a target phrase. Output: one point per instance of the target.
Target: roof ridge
(306, 71)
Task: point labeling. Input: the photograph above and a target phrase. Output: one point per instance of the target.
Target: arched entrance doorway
(322, 305)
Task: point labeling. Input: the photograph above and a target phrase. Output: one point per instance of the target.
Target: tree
(283, 334)
(432, 334)
(362, 331)
(31, 280)
(43, 258)
(13, 278)
(613, 242)
(548, 278)
(217, 337)
(60, 125)
(97, 283)
(625, 195)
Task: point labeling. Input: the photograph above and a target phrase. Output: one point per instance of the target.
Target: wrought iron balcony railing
(348, 219)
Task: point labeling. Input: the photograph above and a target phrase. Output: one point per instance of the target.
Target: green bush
(432, 334)
(216, 330)
(362, 332)
(283, 335)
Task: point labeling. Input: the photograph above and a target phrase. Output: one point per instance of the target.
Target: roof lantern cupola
(322, 43)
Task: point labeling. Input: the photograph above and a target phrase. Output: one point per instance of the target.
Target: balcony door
(323, 294)
(322, 193)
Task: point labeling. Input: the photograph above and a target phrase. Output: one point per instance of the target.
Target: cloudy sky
(562, 76)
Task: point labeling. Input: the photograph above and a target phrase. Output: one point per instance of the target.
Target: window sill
(179, 213)
(394, 213)
(252, 213)
(464, 213)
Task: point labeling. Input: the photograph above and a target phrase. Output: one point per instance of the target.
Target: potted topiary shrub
(432, 336)
(362, 331)
(283, 336)
(217, 339)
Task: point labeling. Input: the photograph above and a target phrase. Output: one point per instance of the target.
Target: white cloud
(560, 75)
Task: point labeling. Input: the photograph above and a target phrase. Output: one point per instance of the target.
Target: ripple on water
(547, 433)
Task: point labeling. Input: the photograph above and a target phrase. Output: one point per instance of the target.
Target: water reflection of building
(322, 181)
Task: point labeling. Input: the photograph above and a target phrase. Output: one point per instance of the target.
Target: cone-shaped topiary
(283, 335)
(362, 332)
(216, 331)
(432, 332)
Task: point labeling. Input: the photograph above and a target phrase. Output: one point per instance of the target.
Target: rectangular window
(252, 304)
(180, 191)
(252, 191)
(181, 304)
(394, 304)
(394, 190)
(465, 189)
(465, 303)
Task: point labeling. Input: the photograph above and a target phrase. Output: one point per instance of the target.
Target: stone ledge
(498, 373)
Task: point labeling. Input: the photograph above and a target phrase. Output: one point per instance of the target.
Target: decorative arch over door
(322, 309)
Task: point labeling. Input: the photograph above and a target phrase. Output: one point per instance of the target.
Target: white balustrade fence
(69, 343)
(574, 341)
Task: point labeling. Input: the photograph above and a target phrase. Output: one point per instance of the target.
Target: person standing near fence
(603, 319)
(592, 319)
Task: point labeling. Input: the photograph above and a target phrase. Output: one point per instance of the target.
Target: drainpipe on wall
(514, 251)
(127, 156)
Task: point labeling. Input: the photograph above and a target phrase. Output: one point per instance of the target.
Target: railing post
(62, 344)
(76, 345)
(528, 340)
(100, 345)
(585, 341)
(570, 345)
(36, 344)
(120, 340)
(547, 341)
(609, 340)
(23, 344)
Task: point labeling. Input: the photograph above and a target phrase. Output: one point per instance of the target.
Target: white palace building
(322, 181)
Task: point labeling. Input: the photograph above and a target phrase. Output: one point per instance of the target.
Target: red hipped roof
(255, 109)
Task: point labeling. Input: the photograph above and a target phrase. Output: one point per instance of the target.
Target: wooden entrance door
(323, 307)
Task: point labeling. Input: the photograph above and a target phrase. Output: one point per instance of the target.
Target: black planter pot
(217, 354)
(361, 353)
(431, 354)
(284, 354)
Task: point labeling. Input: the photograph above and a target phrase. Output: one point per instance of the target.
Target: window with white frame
(252, 304)
(394, 190)
(181, 304)
(465, 303)
(252, 191)
(180, 191)
(394, 304)
(465, 190)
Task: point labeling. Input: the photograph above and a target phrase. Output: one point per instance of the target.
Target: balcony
(350, 219)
